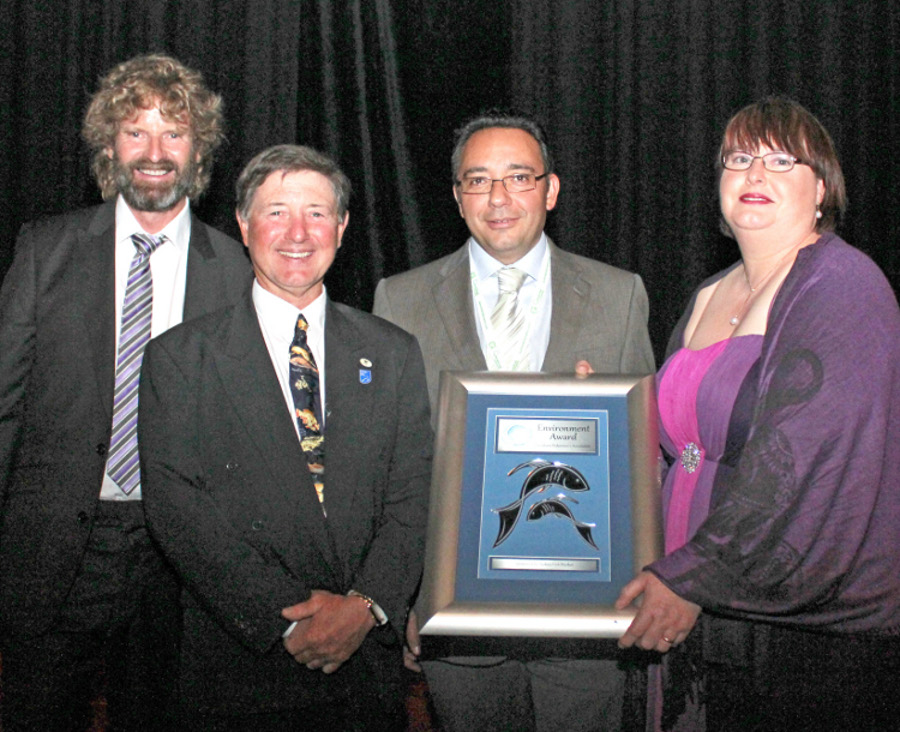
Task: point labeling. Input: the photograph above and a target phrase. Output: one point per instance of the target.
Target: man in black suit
(295, 582)
(82, 590)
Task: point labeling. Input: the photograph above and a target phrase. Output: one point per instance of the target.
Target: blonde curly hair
(143, 82)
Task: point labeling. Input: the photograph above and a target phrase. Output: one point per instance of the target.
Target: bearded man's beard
(150, 196)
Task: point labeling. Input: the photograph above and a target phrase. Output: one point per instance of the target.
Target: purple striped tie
(122, 465)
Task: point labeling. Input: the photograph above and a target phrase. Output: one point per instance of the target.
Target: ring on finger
(670, 641)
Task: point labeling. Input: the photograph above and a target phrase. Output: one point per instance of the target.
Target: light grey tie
(508, 319)
(123, 465)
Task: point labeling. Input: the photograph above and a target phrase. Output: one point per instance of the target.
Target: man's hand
(412, 649)
(583, 368)
(664, 619)
(330, 629)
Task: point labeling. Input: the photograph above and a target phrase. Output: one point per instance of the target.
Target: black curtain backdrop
(634, 93)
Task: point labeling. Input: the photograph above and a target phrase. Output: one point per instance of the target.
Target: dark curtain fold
(637, 95)
(634, 94)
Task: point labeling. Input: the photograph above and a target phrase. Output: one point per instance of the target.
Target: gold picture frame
(467, 589)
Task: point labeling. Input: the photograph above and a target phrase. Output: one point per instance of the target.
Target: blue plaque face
(537, 506)
(545, 498)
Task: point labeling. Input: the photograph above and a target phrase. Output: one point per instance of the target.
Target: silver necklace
(735, 319)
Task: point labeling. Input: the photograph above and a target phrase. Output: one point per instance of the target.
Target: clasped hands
(329, 629)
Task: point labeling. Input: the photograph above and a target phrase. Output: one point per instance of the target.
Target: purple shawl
(804, 522)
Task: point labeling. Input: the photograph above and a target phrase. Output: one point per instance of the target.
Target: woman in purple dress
(780, 415)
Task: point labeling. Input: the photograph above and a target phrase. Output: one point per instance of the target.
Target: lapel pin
(365, 376)
(365, 362)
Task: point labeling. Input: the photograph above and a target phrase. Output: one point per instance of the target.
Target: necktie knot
(301, 354)
(300, 329)
(146, 244)
(510, 280)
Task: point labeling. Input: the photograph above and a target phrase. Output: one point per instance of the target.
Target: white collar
(485, 266)
(178, 230)
(280, 316)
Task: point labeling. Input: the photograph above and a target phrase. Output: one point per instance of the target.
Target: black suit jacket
(230, 500)
(57, 367)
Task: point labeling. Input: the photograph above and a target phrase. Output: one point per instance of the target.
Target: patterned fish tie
(304, 381)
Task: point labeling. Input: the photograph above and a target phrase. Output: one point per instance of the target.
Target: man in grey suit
(566, 309)
(83, 593)
(296, 567)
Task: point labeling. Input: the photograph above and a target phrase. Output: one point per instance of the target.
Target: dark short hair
(141, 83)
(783, 124)
(497, 118)
(289, 159)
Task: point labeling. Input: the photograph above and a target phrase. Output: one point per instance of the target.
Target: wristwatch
(374, 608)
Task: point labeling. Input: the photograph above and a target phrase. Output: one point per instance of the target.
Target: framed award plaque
(545, 502)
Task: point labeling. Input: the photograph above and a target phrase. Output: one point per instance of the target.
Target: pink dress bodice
(696, 392)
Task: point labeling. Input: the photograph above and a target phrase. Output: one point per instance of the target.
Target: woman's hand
(663, 620)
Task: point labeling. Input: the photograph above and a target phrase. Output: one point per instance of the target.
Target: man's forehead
(509, 148)
(155, 109)
(510, 166)
(311, 183)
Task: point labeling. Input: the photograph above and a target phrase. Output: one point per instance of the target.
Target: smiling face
(506, 225)
(154, 162)
(757, 202)
(293, 232)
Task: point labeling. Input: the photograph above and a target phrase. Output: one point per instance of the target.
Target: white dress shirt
(277, 320)
(168, 267)
(485, 268)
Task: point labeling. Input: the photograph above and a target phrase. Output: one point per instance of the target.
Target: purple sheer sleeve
(804, 529)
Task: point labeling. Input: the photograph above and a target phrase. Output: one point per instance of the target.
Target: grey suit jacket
(230, 500)
(57, 367)
(598, 313)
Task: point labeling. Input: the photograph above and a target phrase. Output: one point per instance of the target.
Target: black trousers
(327, 719)
(801, 681)
(115, 636)
(367, 694)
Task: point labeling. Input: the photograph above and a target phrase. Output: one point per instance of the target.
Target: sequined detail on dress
(690, 457)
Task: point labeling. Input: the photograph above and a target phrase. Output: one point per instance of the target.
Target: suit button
(101, 450)
(83, 518)
(231, 465)
(256, 525)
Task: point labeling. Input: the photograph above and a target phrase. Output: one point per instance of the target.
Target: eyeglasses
(515, 183)
(774, 162)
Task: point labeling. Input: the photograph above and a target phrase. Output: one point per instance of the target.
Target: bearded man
(84, 595)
